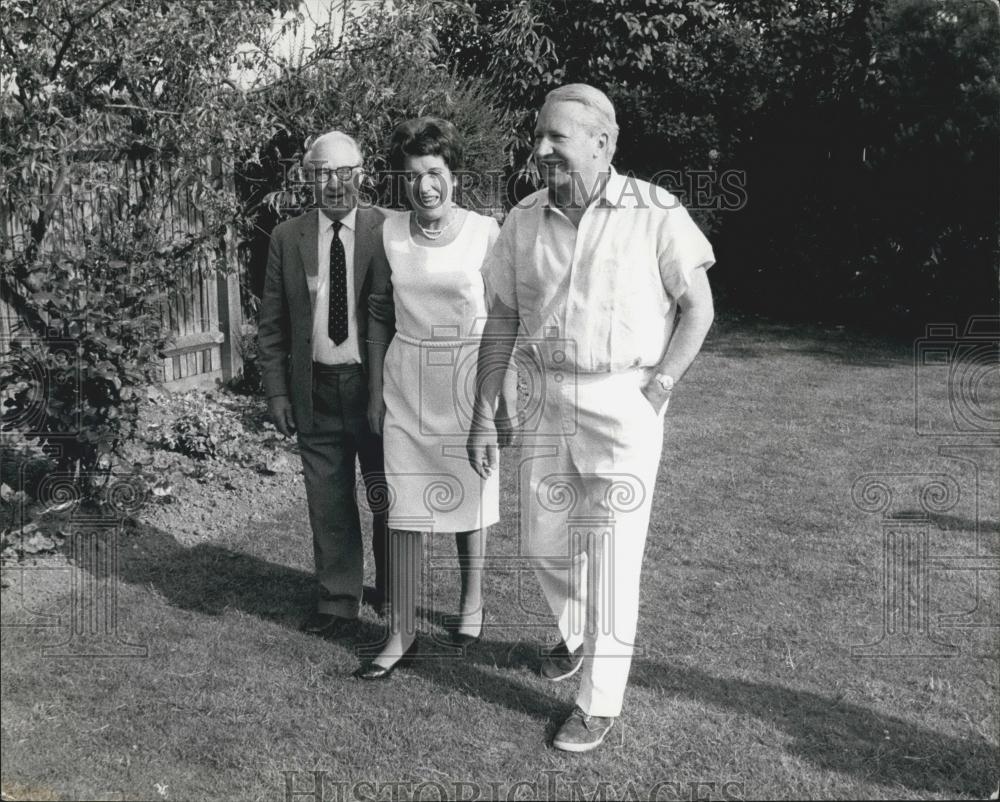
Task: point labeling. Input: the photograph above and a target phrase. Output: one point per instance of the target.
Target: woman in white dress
(421, 398)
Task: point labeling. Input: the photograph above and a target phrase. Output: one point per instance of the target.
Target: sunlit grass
(760, 575)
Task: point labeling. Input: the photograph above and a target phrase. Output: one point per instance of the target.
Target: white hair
(329, 136)
(602, 111)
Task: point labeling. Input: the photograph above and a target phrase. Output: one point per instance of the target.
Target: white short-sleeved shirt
(604, 293)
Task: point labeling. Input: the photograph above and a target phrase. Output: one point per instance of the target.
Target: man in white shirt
(312, 329)
(591, 270)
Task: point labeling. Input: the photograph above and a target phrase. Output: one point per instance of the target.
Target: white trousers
(586, 515)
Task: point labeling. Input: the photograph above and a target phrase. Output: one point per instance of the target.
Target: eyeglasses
(324, 174)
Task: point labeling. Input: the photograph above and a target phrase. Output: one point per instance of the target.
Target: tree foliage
(138, 110)
(385, 68)
(96, 92)
(647, 56)
(866, 131)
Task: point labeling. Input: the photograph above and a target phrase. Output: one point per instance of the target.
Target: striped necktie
(338, 288)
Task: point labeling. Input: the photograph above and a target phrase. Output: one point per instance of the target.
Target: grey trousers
(341, 434)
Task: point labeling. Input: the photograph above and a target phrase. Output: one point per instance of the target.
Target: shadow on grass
(210, 579)
(955, 523)
(840, 736)
(828, 733)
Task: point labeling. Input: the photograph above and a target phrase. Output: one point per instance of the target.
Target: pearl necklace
(433, 233)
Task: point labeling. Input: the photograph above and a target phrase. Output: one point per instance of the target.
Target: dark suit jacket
(285, 324)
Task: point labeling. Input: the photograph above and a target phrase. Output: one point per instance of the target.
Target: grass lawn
(762, 573)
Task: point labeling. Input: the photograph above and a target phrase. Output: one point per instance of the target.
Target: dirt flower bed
(212, 461)
(204, 464)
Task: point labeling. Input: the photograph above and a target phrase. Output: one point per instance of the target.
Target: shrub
(392, 70)
(91, 297)
(75, 382)
(249, 381)
(190, 434)
(105, 162)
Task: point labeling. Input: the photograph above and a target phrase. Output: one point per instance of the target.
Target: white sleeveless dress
(429, 380)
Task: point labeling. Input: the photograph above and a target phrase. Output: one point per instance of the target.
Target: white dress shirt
(601, 296)
(324, 349)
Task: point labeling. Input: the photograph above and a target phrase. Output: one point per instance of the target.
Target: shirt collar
(613, 195)
(347, 221)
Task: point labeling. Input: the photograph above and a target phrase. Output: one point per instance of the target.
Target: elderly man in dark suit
(312, 331)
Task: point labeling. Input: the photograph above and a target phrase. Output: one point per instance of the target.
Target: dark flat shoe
(327, 625)
(463, 640)
(373, 671)
(375, 599)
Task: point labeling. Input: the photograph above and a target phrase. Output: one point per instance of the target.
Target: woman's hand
(482, 447)
(507, 423)
(376, 412)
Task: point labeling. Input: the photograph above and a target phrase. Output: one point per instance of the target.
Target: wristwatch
(666, 382)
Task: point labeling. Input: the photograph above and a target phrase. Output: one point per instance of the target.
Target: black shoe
(560, 663)
(374, 671)
(375, 599)
(326, 625)
(462, 639)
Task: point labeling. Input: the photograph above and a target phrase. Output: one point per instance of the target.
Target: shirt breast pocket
(638, 334)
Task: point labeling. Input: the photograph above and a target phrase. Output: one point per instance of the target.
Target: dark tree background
(867, 131)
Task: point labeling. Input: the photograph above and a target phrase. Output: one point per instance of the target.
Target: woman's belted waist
(435, 342)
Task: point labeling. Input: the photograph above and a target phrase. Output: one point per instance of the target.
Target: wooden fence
(203, 309)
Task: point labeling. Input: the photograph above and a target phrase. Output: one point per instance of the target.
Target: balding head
(332, 142)
(332, 163)
(599, 112)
